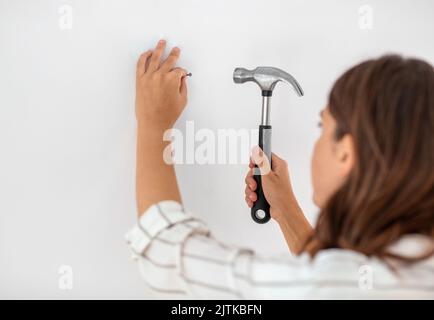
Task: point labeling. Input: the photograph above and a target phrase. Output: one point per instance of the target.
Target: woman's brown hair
(387, 106)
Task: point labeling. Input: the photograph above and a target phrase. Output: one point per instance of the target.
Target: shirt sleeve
(178, 257)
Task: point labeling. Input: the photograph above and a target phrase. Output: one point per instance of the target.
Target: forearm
(155, 179)
(295, 227)
(161, 95)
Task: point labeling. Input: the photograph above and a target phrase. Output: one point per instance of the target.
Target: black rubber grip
(261, 208)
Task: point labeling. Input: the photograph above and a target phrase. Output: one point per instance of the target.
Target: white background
(67, 126)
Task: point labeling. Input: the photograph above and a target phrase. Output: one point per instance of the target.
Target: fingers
(141, 63)
(250, 181)
(249, 202)
(261, 160)
(251, 163)
(250, 197)
(250, 194)
(179, 72)
(170, 62)
(168, 66)
(156, 57)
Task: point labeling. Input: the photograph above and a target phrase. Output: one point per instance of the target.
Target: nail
(188, 74)
(162, 41)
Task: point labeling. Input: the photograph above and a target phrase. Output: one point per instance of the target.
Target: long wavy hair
(387, 106)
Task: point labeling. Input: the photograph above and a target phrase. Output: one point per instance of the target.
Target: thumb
(183, 87)
(261, 160)
(181, 74)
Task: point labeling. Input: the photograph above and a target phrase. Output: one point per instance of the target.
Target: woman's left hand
(161, 90)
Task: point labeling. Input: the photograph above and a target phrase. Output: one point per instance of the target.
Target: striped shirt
(179, 258)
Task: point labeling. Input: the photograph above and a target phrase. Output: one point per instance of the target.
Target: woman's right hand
(284, 207)
(276, 186)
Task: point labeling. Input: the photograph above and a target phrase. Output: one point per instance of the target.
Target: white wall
(67, 127)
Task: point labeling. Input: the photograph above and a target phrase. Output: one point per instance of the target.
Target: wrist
(151, 136)
(287, 206)
(155, 128)
(295, 227)
(289, 213)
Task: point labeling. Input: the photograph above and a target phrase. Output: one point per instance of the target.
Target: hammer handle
(261, 208)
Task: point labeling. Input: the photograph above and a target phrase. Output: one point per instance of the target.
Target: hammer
(266, 78)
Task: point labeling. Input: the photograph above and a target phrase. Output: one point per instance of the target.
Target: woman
(373, 181)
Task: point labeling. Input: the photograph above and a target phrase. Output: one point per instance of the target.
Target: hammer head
(266, 78)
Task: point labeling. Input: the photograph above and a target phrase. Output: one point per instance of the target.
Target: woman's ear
(346, 154)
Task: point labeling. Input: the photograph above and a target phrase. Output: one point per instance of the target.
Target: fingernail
(162, 41)
(176, 49)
